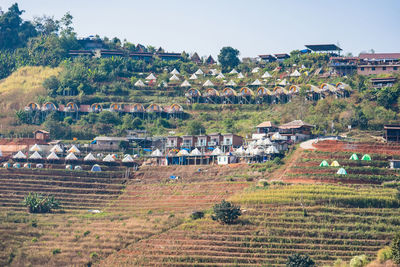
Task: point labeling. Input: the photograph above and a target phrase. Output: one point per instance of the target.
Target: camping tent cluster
(256, 93)
(342, 171)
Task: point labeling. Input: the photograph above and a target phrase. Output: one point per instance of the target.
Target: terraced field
(133, 208)
(326, 222)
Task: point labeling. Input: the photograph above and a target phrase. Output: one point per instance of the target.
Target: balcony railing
(201, 144)
(186, 145)
(171, 145)
(227, 143)
(212, 143)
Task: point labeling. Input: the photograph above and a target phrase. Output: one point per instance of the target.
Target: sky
(253, 27)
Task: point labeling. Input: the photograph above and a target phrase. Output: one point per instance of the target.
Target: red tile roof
(295, 124)
(265, 124)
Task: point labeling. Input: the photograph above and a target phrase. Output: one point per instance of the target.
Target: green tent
(324, 163)
(354, 157)
(341, 171)
(366, 157)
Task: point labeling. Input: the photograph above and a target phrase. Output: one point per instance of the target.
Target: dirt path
(289, 162)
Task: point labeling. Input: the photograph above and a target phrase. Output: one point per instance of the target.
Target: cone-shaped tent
(255, 70)
(151, 77)
(183, 152)
(208, 83)
(35, 155)
(71, 156)
(324, 163)
(156, 153)
(89, 157)
(335, 164)
(175, 72)
(19, 155)
(216, 152)
(266, 75)
(109, 158)
(52, 156)
(193, 77)
(256, 82)
(185, 84)
(56, 149)
(220, 76)
(240, 151)
(74, 149)
(35, 148)
(199, 72)
(295, 73)
(277, 136)
(233, 71)
(240, 75)
(354, 157)
(272, 150)
(127, 158)
(231, 83)
(341, 171)
(174, 78)
(366, 157)
(139, 83)
(96, 168)
(195, 152)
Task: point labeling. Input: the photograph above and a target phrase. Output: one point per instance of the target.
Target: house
(107, 143)
(188, 141)
(392, 132)
(210, 60)
(263, 129)
(80, 53)
(169, 56)
(215, 139)
(383, 82)
(231, 141)
(202, 141)
(225, 159)
(281, 57)
(344, 65)
(173, 142)
(267, 58)
(378, 63)
(145, 56)
(90, 43)
(195, 58)
(111, 53)
(42, 135)
(297, 130)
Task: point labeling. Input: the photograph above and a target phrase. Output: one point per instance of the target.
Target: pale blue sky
(252, 26)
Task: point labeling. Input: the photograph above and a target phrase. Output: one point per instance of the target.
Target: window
(362, 68)
(384, 68)
(395, 68)
(373, 68)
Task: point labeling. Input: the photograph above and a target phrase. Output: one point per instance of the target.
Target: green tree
(299, 260)
(109, 117)
(228, 58)
(388, 96)
(395, 247)
(195, 128)
(226, 212)
(51, 84)
(37, 203)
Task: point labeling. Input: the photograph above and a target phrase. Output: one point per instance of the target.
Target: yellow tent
(335, 164)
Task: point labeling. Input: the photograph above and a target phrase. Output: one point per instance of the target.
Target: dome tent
(324, 163)
(335, 164)
(95, 168)
(341, 171)
(366, 157)
(354, 157)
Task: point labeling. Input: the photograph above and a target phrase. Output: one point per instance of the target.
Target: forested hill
(37, 67)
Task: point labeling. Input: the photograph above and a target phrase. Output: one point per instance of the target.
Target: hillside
(24, 85)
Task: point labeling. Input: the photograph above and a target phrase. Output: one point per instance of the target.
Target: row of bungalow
(278, 94)
(71, 107)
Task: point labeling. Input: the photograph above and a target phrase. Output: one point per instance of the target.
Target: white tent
(256, 82)
(182, 152)
(195, 152)
(35, 155)
(74, 149)
(283, 82)
(216, 152)
(193, 77)
(199, 72)
(36, 148)
(231, 83)
(233, 71)
(257, 151)
(240, 75)
(295, 73)
(52, 156)
(19, 155)
(220, 76)
(174, 78)
(127, 158)
(266, 75)
(156, 153)
(248, 151)
(208, 83)
(108, 158)
(214, 72)
(163, 84)
(151, 77)
(240, 151)
(56, 149)
(255, 70)
(278, 136)
(174, 72)
(139, 83)
(272, 150)
(89, 157)
(185, 84)
(266, 142)
(71, 156)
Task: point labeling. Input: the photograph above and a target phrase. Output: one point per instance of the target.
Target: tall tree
(228, 58)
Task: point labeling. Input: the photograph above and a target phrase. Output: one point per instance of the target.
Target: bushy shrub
(384, 254)
(299, 260)
(197, 215)
(395, 247)
(226, 212)
(37, 203)
(359, 261)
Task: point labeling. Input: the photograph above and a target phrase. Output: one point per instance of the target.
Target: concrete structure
(378, 63)
(383, 82)
(42, 135)
(296, 130)
(107, 143)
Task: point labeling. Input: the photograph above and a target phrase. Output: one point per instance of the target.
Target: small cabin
(394, 163)
(392, 132)
(42, 135)
(173, 141)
